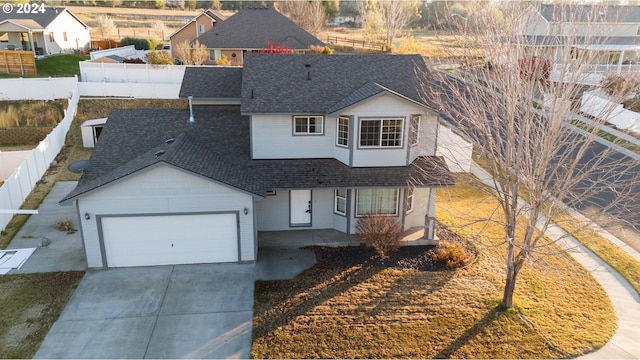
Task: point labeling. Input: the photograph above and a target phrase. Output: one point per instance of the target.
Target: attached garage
(169, 239)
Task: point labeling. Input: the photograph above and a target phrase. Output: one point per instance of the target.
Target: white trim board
(13, 259)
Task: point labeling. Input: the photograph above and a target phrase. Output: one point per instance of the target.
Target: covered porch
(22, 34)
(294, 239)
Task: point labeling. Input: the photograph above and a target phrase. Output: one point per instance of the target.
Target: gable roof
(590, 13)
(217, 147)
(276, 83)
(211, 82)
(254, 28)
(41, 18)
(210, 13)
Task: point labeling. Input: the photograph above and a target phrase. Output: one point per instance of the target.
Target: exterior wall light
(87, 216)
(246, 211)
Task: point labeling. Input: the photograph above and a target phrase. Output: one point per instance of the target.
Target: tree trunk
(509, 287)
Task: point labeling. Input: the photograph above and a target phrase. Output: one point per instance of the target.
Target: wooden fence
(18, 62)
(355, 43)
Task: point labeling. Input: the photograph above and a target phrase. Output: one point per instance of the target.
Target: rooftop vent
(169, 141)
(159, 153)
(192, 120)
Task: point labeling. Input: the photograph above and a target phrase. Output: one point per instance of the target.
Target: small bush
(453, 253)
(159, 57)
(534, 68)
(139, 43)
(65, 225)
(620, 85)
(222, 61)
(383, 233)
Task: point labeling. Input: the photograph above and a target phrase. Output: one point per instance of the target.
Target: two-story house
(608, 34)
(196, 27)
(42, 29)
(288, 142)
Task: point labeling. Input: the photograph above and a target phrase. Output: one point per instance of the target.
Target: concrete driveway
(182, 311)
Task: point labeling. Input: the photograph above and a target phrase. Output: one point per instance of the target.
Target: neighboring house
(197, 26)
(317, 142)
(252, 30)
(50, 31)
(609, 33)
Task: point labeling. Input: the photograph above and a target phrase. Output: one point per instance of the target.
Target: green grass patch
(65, 65)
(31, 303)
(361, 311)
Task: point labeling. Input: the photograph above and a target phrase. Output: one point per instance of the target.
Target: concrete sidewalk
(55, 250)
(625, 344)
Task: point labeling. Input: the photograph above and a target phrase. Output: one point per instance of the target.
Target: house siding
(426, 138)
(78, 37)
(164, 190)
(382, 106)
(272, 213)
(416, 218)
(190, 31)
(272, 138)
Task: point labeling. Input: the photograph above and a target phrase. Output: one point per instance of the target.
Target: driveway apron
(182, 311)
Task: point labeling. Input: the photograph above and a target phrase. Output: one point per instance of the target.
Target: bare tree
(517, 111)
(159, 28)
(310, 15)
(105, 24)
(191, 54)
(385, 19)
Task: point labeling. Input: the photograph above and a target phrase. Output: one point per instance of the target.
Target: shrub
(159, 57)
(222, 61)
(317, 49)
(453, 253)
(619, 85)
(534, 68)
(383, 233)
(139, 43)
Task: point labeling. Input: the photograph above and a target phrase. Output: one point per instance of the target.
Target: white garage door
(170, 239)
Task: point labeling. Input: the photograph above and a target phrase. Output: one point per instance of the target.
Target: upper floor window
(343, 131)
(308, 125)
(414, 130)
(51, 37)
(201, 28)
(377, 202)
(64, 36)
(381, 132)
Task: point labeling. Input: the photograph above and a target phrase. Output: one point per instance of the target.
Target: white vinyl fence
(596, 104)
(20, 183)
(455, 150)
(131, 73)
(129, 90)
(10, 160)
(37, 88)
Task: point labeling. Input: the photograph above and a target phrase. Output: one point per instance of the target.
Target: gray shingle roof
(42, 18)
(275, 83)
(217, 147)
(209, 82)
(590, 13)
(254, 28)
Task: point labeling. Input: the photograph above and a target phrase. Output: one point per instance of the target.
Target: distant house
(50, 31)
(197, 26)
(609, 32)
(253, 29)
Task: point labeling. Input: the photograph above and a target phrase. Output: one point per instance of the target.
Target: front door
(300, 205)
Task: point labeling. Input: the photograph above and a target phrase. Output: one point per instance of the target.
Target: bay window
(377, 202)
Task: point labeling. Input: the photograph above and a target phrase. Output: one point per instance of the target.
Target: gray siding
(273, 212)
(272, 138)
(164, 190)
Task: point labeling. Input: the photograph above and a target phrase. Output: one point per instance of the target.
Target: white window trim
(308, 117)
(338, 131)
(409, 197)
(414, 129)
(396, 213)
(380, 146)
(201, 28)
(335, 202)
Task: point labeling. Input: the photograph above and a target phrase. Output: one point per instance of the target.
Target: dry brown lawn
(366, 311)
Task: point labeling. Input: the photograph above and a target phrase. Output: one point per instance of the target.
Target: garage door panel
(170, 239)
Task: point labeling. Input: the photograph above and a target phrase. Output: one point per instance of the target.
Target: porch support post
(620, 61)
(33, 48)
(430, 217)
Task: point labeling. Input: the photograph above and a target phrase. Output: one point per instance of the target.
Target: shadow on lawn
(277, 303)
(469, 334)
